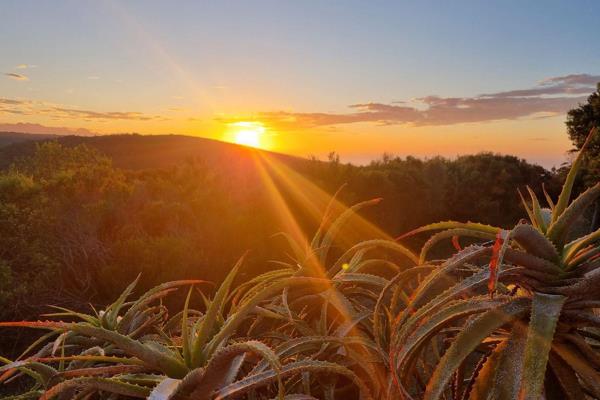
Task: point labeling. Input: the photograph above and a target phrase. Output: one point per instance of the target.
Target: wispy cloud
(93, 77)
(43, 129)
(552, 96)
(31, 107)
(17, 77)
(25, 66)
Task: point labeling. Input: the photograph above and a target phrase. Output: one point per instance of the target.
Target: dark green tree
(580, 121)
(583, 118)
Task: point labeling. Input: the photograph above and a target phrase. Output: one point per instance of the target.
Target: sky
(361, 78)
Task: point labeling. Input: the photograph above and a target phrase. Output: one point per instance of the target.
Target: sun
(247, 133)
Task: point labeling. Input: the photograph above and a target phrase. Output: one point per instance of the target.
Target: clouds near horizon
(550, 97)
(17, 77)
(24, 127)
(59, 112)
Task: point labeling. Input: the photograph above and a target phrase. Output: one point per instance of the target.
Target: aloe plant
(533, 334)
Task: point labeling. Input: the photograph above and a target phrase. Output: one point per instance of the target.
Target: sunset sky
(357, 77)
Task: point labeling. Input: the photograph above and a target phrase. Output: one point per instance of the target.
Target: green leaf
(422, 334)
(565, 194)
(584, 369)
(507, 377)
(214, 376)
(335, 227)
(109, 319)
(374, 243)
(559, 229)
(154, 356)
(449, 233)
(243, 386)
(474, 226)
(534, 242)
(104, 384)
(199, 356)
(468, 339)
(545, 312)
(539, 221)
(232, 323)
(185, 336)
(567, 379)
(164, 389)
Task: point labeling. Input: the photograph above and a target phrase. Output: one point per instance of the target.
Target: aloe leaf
(156, 292)
(508, 373)
(572, 248)
(468, 339)
(449, 233)
(545, 312)
(299, 253)
(243, 386)
(580, 365)
(66, 312)
(423, 292)
(536, 209)
(420, 336)
(45, 372)
(474, 226)
(109, 370)
(565, 194)
(335, 227)
(482, 382)
(548, 198)
(94, 358)
(559, 229)
(311, 344)
(206, 328)
(233, 322)
(165, 389)
(528, 210)
(567, 379)
(164, 361)
(374, 243)
(185, 336)
(217, 371)
(361, 278)
(398, 280)
(37, 342)
(345, 328)
(498, 250)
(32, 394)
(534, 242)
(103, 384)
(109, 319)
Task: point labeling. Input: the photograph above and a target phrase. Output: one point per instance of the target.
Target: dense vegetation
(76, 229)
(510, 316)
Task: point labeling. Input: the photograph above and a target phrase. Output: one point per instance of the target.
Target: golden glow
(248, 133)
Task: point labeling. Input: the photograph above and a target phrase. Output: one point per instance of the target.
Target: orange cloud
(17, 77)
(552, 96)
(29, 107)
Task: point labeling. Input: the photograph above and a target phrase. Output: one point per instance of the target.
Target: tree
(579, 122)
(583, 118)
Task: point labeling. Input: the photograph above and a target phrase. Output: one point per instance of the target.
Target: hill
(8, 138)
(133, 151)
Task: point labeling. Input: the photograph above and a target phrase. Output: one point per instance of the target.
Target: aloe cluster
(509, 316)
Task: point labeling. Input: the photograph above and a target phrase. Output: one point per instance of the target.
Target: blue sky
(236, 59)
